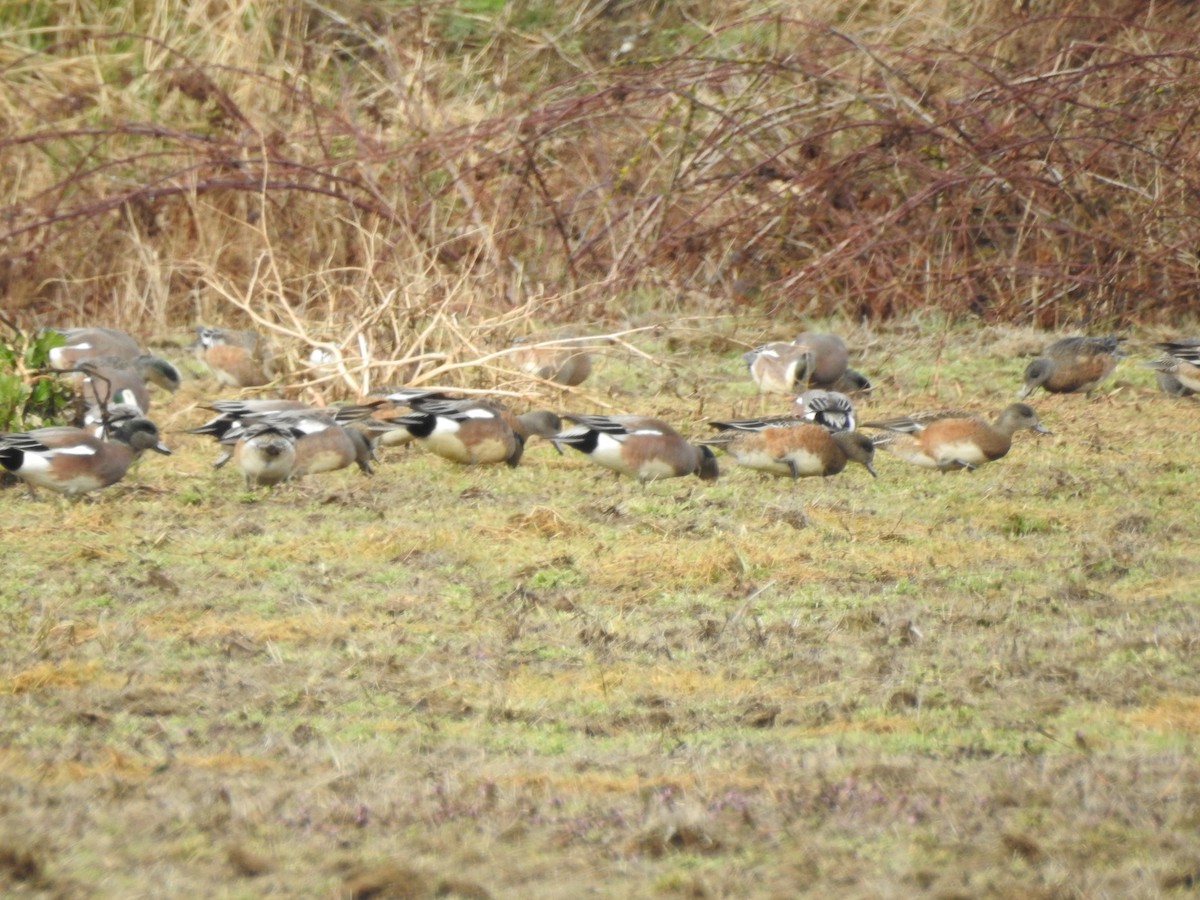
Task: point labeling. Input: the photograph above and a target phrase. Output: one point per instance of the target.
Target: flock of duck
(273, 440)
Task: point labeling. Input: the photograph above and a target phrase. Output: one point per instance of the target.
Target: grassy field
(544, 682)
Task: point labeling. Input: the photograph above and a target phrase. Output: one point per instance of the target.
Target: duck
(238, 359)
(1072, 365)
(110, 379)
(73, 461)
(831, 409)
(326, 439)
(93, 342)
(797, 450)
(951, 441)
(642, 447)
(777, 367)
(826, 358)
(265, 452)
(1179, 369)
(563, 364)
(473, 432)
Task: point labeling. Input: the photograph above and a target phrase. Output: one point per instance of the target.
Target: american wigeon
(642, 447)
(474, 432)
(294, 443)
(407, 396)
(954, 441)
(265, 452)
(83, 344)
(813, 360)
(1072, 364)
(1180, 366)
(777, 367)
(829, 409)
(108, 378)
(796, 451)
(387, 403)
(231, 414)
(99, 421)
(236, 358)
(826, 358)
(758, 423)
(324, 438)
(1170, 385)
(832, 409)
(562, 364)
(72, 461)
(326, 445)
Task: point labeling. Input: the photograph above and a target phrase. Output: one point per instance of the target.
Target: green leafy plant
(29, 395)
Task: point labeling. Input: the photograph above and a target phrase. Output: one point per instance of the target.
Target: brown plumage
(777, 367)
(325, 438)
(642, 447)
(474, 432)
(797, 451)
(72, 460)
(236, 358)
(956, 442)
(813, 360)
(265, 452)
(109, 380)
(332, 447)
(1072, 364)
(84, 344)
(826, 358)
(564, 365)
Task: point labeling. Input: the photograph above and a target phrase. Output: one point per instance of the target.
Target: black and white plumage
(473, 432)
(639, 446)
(325, 438)
(73, 461)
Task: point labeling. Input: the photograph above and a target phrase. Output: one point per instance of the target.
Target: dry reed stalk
(1036, 169)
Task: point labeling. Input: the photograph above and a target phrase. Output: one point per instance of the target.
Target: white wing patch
(74, 450)
(312, 426)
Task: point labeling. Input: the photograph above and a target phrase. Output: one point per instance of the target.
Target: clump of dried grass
(379, 180)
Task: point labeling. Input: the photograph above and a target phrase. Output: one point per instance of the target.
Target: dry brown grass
(380, 182)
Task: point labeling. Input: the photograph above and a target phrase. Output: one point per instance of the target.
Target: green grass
(540, 680)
